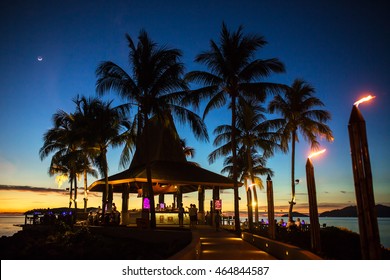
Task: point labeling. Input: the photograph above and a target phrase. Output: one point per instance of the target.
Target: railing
(279, 250)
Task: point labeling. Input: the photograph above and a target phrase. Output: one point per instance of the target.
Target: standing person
(181, 214)
(207, 218)
(298, 223)
(190, 213)
(195, 215)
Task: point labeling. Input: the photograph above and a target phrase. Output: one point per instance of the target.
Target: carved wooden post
(271, 213)
(361, 166)
(313, 211)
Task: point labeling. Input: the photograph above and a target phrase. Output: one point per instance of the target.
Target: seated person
(290, 224)
(298, 223)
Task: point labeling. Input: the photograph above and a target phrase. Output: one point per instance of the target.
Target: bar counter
(167, 217)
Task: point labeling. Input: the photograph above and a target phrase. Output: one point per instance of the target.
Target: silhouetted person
(181, 215)
(217, 220)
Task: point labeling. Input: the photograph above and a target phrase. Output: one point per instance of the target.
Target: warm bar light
(316, 153)
(364, 99)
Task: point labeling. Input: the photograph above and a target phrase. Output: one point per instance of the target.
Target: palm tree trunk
(149, 176)
(75, 192)
(249, 204)
(292, 202)
(75, 198)
(234, 160)
(105, 190)
(71, 192)
(85, 191)
(250, 171)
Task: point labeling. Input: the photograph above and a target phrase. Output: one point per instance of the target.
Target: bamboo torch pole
(271, 213)
(313, 211)
(361, 167)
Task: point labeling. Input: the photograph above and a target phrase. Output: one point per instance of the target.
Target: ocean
(7, 227)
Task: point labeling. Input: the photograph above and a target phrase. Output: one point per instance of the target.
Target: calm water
(7, 227)
(7, 223)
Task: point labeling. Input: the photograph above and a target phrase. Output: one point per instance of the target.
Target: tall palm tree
(72, 164)
(101, 126)
(298, 115)
(248, 174)
(62, 141)
(256, 133)
(155, 86)
(253, 133)
(233, 74)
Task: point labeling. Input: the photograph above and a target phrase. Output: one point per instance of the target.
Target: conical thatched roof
(169, 166)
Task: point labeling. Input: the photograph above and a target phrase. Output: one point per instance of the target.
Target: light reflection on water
(7, 223)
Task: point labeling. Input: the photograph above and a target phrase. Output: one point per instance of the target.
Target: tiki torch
(313, 210)
(361, 167)
(270, 203)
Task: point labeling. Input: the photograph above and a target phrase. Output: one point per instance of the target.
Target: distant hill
(296, 214)
(350, 211)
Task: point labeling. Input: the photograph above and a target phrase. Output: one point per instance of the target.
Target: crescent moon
(40, 58)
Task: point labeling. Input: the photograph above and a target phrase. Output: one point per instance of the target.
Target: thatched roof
(166, 177)
(169, 166)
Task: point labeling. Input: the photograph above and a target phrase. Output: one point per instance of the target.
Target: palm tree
(299, 116)
(62, 141)
(188, 151)
(72, 164)
(101, 126)
(253, 133)
(155, 86)
(233, 74)
(246, 174)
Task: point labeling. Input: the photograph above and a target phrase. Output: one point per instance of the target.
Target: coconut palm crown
(233, 73)
(154, 86)
(299, 115)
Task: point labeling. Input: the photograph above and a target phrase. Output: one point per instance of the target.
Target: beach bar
(171, 174)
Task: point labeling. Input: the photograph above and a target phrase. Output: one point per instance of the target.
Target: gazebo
(171, 172)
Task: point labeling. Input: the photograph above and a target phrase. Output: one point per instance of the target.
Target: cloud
(299, 193)
(27, 188)
(343, 192)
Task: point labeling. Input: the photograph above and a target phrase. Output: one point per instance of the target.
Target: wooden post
(201, 216)
(361, 167)
(215, 197)
(271, 213)
(125, 204)
(313, 210)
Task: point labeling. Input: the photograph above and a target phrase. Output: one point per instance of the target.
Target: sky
(50, 50)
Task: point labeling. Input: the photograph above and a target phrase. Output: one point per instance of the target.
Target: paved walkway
(223, 245)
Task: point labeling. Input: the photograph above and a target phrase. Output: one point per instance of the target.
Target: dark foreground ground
(120, 243)
(85, 244)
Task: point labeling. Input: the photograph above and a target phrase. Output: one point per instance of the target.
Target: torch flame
(316, 153)
(364, 99)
